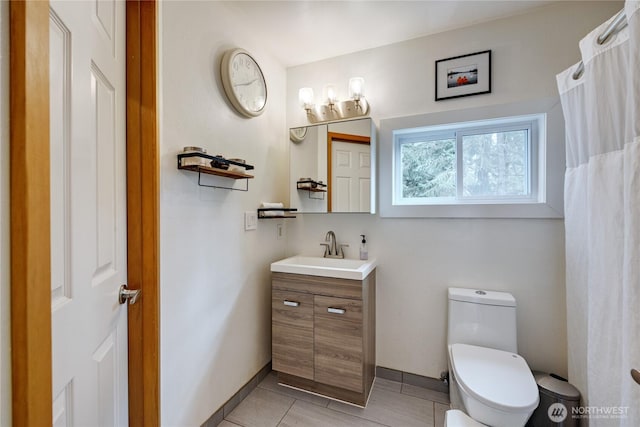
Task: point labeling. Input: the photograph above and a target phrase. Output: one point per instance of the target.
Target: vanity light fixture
(331, 109)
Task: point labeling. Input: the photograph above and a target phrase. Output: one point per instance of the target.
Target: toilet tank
(482, 318)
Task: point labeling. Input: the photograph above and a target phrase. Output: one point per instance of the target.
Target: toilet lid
(499, 379)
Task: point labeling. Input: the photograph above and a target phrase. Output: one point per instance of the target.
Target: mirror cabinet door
(332, 167)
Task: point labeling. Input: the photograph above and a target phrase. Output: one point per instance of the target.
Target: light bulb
(330, 94)
(305, 96)
(356, 88)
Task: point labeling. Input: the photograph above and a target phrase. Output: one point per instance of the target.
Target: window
(491, 161)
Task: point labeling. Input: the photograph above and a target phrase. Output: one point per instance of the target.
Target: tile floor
(391, 404)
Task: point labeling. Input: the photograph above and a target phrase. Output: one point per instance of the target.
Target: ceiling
(298, 31)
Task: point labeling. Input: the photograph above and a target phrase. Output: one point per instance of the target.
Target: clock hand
(247, 83)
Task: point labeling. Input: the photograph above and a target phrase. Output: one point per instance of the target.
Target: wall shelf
(262, 213)
(209, 170)
(312, 187)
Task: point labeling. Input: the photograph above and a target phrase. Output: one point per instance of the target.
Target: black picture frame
(463, 75)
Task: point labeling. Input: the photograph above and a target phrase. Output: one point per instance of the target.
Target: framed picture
(463, 75)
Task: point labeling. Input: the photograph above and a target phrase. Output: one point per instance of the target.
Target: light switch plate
(250, 220)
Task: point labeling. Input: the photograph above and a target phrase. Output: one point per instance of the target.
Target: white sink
(327, 267)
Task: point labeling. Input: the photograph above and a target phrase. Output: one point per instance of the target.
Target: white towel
(272, 205)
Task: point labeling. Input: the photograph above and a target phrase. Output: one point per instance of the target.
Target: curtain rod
(618, 23)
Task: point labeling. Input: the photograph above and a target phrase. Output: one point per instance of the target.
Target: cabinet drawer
(329, 286)
(292, 333)
(338, 342)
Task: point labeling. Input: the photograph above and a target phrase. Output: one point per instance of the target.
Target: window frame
(457, 132)
(550, 164)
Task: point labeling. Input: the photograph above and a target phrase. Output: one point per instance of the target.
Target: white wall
(5, 318)
(215, 278)
(420, 258)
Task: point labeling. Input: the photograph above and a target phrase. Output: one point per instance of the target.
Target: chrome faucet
(332, 249)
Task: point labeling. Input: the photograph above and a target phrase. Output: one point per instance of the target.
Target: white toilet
(488, 379)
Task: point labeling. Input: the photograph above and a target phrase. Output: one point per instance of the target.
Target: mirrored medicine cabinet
(332, 167)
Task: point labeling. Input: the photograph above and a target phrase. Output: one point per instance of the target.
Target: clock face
(244, 83)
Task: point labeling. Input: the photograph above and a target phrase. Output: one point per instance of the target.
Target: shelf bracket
(221, 187)
(316, 187)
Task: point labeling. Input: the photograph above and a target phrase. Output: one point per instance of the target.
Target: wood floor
(391, 404)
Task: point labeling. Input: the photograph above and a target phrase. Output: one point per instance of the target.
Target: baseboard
(217, 417)
(412, 379)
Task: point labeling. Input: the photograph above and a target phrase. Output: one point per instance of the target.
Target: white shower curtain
(602, 222)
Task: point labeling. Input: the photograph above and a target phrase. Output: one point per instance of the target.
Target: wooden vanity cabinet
(323, 334)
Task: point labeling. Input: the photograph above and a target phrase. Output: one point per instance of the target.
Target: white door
(88, 212)
(351, 177)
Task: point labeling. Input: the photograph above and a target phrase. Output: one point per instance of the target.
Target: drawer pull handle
(336, 310)
(291, 303)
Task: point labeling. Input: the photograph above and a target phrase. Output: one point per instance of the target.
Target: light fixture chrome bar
(616, 25)
(341, 110)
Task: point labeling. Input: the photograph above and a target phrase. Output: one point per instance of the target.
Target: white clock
(243, 82)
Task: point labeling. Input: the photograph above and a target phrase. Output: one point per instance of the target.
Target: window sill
(493, 210)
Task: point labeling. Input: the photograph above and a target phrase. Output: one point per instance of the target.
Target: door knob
(635, 375)
(127, 294)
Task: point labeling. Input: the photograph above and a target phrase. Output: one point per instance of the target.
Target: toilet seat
(499, 379)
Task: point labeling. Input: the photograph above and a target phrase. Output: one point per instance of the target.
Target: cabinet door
(338, 342)
(292, 333)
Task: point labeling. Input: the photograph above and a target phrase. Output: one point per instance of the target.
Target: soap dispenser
(364, 252)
